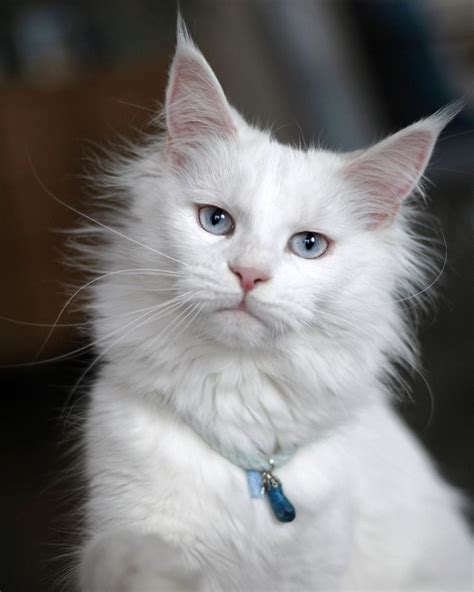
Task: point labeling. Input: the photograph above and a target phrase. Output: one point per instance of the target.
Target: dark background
(77, 74)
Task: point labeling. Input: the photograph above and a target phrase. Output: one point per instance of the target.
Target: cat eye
(309, 245)
(215, 220)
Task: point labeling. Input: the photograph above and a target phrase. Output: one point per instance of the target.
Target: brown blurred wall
(44, 133)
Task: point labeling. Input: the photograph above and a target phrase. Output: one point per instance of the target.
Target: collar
(261, 479)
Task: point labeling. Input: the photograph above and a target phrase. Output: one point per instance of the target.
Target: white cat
(252, 308)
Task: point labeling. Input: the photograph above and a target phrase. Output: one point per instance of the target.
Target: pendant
(265, 482)
(282, 507)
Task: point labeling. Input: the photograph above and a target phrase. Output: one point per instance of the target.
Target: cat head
(262, 241)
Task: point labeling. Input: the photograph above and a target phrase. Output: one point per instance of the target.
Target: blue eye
(215, 220)
(309, 245)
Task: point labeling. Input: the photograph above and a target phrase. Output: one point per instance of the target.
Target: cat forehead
(290, 181)
(262, 170)
(289, 168)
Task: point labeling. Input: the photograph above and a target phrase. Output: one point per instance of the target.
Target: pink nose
(249, 277)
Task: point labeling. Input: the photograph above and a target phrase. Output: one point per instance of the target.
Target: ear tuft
(387, 173)
(183, 37)
(446, 114)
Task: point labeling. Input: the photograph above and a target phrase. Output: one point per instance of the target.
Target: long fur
(188, 396)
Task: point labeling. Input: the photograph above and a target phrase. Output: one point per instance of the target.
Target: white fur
(189, 395)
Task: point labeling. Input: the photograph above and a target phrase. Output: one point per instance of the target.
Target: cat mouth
(240, 309)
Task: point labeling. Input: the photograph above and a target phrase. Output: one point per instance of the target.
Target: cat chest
(172, 483)
(206, 505)
(215, 518)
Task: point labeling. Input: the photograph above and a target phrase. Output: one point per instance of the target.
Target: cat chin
(236, 328)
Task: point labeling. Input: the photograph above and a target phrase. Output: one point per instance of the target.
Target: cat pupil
(309, 241)
(217, 217)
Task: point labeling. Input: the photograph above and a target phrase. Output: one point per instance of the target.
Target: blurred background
(76, 74)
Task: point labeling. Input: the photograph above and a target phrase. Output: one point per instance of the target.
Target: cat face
(267, 240)
(267, 243)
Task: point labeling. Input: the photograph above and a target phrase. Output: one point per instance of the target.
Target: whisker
(77, 292)
(137, 323)
(82, 348)
(345, 324)
(163, 333)
(97, 222)
(438, 276)
(32, 324)
(430, 396)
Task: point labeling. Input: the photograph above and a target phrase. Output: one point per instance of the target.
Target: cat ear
(196, 106)
(390, 171)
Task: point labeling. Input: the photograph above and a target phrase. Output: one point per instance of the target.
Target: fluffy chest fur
(166, 479)
(254, 406)
(353, 495)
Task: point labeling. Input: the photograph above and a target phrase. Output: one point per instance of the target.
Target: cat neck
(255, 405)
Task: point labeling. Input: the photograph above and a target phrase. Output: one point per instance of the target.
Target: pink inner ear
(196, 104)
(388, 172)
(418, 143)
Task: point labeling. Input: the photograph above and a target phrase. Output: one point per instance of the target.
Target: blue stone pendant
(282, 507)
(265, 482)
